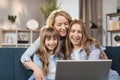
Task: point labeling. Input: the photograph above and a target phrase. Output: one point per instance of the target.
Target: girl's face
(75, 34)
(61, 25)
(51, 43)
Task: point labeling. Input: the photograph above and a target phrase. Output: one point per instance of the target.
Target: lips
(62, 32)
(75, 39)
(52, 46)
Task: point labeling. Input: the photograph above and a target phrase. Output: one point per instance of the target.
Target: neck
(62, 37)
(51, 52)
(76, 47)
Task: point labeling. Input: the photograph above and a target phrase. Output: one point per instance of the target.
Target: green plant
(12, 18)
(48, 7)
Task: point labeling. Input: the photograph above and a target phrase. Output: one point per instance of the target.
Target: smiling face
(51, 43)
(75, 35)
(61, 25)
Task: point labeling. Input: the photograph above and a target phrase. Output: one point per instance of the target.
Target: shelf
(18, 38)
(113, 14)
(113, 30)
(8, 44)
(21, 30)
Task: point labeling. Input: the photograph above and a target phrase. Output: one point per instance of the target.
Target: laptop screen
(83, 70)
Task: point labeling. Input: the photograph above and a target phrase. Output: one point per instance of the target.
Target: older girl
(80, 46)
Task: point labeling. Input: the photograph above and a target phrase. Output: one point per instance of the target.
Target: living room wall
(23, 9)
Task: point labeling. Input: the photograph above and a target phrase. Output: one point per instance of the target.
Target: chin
(63, 35)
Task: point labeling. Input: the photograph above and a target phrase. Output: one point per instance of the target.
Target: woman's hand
(38, 73)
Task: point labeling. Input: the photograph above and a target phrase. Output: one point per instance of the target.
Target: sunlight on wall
(3, 3)
(17, 9)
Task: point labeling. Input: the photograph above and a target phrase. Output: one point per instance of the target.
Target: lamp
(94, 26)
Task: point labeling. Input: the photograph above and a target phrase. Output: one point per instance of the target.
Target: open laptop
(83, 70)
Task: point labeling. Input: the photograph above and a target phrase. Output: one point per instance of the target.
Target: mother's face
(61, 25)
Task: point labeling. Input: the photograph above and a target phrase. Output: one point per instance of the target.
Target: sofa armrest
(114, 54)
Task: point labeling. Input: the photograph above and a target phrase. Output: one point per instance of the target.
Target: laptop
(83, 70)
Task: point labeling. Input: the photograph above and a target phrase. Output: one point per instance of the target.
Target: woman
(80, 46)
(58, 19)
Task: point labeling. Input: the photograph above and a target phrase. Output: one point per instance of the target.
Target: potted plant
(48, 7)
(12, 19)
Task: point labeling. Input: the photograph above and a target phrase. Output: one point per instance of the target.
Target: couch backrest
(10, 66)
(12, 69)
(114, 54)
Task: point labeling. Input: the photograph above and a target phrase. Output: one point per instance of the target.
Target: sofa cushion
(21, 73)
(10, 66)
(7, 64)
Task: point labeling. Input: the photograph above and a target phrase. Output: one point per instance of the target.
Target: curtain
(90, 11)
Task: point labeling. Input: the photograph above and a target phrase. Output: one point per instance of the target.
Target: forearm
(38, 73)
(30, 51)
(31, 65)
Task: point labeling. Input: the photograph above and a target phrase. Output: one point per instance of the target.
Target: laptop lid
(82, 70)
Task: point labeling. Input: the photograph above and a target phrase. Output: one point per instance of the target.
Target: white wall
(71, 6)
(24, 9)
(28, 9)
(109, 6)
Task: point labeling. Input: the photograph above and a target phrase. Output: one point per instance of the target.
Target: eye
(72, 30)
(59, 24)
(55, 38)
(48, 39)
(79, 31)
(66, 23)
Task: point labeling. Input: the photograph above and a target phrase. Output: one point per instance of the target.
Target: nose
(75, 34)
(63, 26)
(51, 41)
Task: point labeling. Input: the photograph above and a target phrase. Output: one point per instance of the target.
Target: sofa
(114, 54)
(12, 69)
(10, 66)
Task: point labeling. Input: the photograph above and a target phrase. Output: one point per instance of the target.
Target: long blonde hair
(43, 53)
(51, 19)
(86, 41)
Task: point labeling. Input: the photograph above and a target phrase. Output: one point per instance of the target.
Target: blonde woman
(58, 19)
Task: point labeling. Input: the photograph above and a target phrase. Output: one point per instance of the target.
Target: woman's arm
(26, 59)
(38, 73)
(30, 51)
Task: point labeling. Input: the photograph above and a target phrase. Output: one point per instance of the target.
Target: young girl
(48, 53)
(80, 46)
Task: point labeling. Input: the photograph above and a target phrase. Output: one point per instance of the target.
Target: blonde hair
(47, 32)
(85, 43)
(51, 19)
